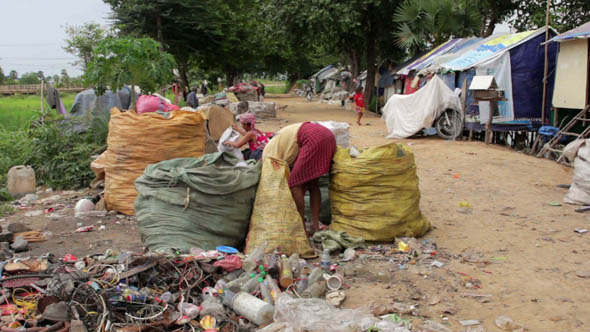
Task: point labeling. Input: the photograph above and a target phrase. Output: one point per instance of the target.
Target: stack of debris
(220, 290)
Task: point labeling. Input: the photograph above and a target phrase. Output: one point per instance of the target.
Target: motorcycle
(449, 125)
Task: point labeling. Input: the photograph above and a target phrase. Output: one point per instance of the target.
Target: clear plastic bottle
(325, 260)
(286, 278)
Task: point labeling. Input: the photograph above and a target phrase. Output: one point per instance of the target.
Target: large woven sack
(375, 195)
(218, 119)
(136, 141)
(275, 221)
(579, 192)
(187, 202)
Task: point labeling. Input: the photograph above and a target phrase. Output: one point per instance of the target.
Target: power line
(29, 44)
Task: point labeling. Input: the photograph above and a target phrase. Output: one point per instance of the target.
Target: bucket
(21, 181)
(253, 308)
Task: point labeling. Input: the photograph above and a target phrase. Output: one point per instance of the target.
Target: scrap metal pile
(215, 290)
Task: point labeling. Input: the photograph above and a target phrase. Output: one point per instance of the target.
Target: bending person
(308, 148)
(256, 139)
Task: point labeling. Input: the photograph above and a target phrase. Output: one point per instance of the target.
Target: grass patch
(277, 89)
(17, 112)
(6, 209)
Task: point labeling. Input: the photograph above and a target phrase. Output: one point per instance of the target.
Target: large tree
(565, 14)
(361, 30)
(2, 77)
(134, 61)
(493, 12)
(29, 78)
(190, 30)
(13, 75)
(424, 24)
(83, 39)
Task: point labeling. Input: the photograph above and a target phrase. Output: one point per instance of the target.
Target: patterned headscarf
(248, 118)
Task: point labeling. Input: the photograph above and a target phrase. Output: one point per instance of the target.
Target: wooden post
(556, 117)
(489, 132)
(42, 101)
(546, 64)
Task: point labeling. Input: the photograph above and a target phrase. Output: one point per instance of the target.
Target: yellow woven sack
(137, 140)
(376, 195)
(275, 220)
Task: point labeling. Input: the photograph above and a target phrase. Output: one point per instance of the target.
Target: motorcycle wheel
(449, 124)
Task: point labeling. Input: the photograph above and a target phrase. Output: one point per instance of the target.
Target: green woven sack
(188, 202)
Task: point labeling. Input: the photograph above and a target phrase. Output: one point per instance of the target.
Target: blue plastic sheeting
(449, 79)
(528, 62)
(386, 79)
(581, 32)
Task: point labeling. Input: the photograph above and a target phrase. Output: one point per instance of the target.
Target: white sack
(340, 131)
(232, 135)
(579, 192)
(405, 115)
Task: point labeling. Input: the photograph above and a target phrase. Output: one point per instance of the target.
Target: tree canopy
(83, 39)
(136, 61)
(564, 14)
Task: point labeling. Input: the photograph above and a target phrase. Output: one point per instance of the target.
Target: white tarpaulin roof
(405, 115)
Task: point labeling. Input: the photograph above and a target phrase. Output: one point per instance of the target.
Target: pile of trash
(214, 290)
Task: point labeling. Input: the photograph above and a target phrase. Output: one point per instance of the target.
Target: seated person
(256, 139)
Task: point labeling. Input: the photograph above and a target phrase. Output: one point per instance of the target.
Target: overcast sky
(33, 34)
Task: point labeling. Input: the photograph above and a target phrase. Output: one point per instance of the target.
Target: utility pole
(546, 64)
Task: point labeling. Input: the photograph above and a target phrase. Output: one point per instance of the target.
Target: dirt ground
(522, 248)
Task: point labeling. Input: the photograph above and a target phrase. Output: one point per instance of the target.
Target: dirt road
(522, 249)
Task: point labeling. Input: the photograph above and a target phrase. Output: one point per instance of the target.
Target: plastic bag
(229, 263)
(149, 103)
(230, 135)
(316, 315)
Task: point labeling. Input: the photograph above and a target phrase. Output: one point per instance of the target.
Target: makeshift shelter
(517, 62)
(572, 74)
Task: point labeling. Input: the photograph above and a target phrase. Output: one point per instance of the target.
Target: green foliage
(2, 77)
(16, 148)
(61, 156)
(29, 78)
(136, 61)
(425, 24)
(13, 75)
(83, 39)
(564, 14)
(6, 209)
(17, 112)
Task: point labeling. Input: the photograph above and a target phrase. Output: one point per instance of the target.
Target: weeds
(6, 209)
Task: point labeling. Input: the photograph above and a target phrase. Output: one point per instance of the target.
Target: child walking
(359, 104)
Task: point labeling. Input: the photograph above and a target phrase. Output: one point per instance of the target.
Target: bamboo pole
(546, 64)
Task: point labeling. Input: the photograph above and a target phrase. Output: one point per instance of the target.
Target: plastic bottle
(273, 288)
(315, 275)
(314, 290)
(325, 260)
(265, 292)
(286, 278)
(302, 282)
(251, 285)
(236, 284)
(253, 308)
(251, 262)
(295, 265)
(273, 263)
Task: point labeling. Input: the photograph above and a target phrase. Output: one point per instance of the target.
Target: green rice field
(18, 111)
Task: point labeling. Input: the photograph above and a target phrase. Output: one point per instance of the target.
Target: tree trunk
(159, 32)
(133, 98)
(371, 70)
(182, 70)
(489, 29)
(229, 78)
(353, 57)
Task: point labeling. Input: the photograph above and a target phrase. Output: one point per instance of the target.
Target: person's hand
(235, 126)
(228, 143)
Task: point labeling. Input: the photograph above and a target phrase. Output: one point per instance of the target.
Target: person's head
(359, 89)
(194, 89)
(248, 121)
